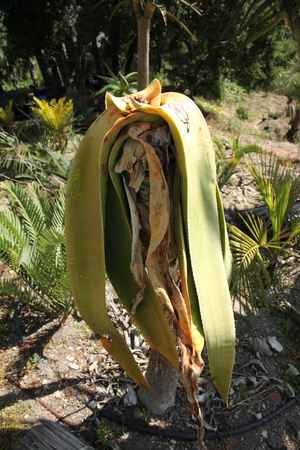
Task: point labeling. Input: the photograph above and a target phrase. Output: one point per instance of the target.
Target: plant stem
(143, 17)
(163, 379)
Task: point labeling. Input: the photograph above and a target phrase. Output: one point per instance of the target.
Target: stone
(261, 346)
(130, 398)
(275, 344)
(292, 371)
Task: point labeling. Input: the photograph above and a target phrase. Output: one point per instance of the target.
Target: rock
(74, 366)
(130, 398)
(264, 434)
(253, 380)
(261, 346)
(93, 368)
(275, 344)
(203, 397)
(292, 371)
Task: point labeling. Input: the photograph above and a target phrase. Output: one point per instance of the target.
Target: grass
(256, 115)
(105, 436)
(11, 426)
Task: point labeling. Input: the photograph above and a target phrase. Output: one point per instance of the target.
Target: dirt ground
(58, 370)
(62, 373)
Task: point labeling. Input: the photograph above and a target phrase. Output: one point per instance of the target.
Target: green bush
(242, 113)
(262, 239)
(32, 246)
(23, 161)
(226, 167)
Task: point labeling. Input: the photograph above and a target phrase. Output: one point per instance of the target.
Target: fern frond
(11, 287)
(58, 212)
(32, 244)
(29, 209)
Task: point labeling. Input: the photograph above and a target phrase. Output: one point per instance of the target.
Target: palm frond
(193, 6)
(247, 247)
(279, 188)
(249, 250)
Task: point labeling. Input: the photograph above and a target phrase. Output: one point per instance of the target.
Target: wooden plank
(47, 435)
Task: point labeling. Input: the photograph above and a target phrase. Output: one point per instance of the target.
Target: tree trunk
(96, 55)
(143, 17)
(294, 115)
(291, 9)
(44, 68)
(214, 78)
(163, 379)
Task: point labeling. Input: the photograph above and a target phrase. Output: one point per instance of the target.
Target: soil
(57, 369)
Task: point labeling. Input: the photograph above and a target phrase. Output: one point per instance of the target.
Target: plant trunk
(294, 114)
(44, 68)
(143, 17)
(163, 379)
(144, 25)
(294, 21)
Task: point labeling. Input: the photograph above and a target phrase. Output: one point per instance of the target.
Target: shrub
(260, 240)
(57, 117)
(30, 161)
(32, 246)
(119, 84)
(226, 167)
(242, 113)
(7, 116)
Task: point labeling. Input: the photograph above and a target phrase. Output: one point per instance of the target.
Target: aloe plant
(119, 84)
(143, 205)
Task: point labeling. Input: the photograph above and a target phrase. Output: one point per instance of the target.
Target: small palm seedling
(32, 246)
(226, 167)
(7, 116)
(260, 240)
(143, 205)
(57, 118)
(119, 84)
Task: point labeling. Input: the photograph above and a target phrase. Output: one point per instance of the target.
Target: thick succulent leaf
(224, 235)
(85, 236)
(149, 315)
(195, 160)
(203, 238)
(85, 246)
(187, 282)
